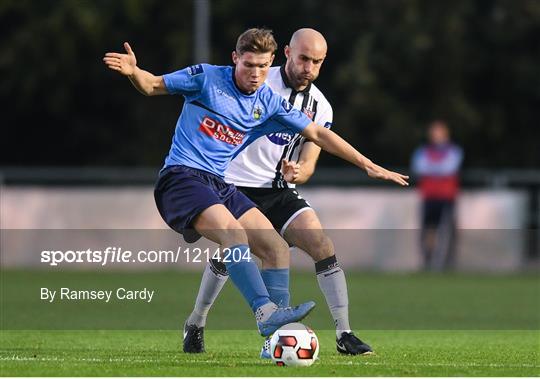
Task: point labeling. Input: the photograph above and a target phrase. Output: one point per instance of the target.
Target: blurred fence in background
(373, 225)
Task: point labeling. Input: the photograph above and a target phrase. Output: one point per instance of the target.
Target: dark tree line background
(392, 66)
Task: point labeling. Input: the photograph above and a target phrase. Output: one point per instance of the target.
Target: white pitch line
(213, 362)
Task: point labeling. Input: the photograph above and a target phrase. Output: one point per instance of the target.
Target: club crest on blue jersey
(280, 138)
(195, 69)
(257, 112)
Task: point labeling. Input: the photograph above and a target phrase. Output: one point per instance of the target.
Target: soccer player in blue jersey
(225, 109)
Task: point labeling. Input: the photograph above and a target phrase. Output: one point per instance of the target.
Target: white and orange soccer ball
(294, 345)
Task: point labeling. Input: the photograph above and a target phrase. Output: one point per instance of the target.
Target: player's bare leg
(306, 233)
(264, 241)
(268, 243)
(219, 225)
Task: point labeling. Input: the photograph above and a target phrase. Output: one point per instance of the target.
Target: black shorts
(279, 205)
(434, 211)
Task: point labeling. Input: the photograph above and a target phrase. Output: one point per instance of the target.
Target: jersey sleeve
(325, 117)
(188, 81)
(288, 117)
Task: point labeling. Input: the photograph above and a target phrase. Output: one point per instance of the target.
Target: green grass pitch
(419, 325)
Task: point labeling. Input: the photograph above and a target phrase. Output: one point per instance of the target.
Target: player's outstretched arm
(126, 64)
(334, 144)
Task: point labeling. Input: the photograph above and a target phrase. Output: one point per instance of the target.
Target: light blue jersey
(218, 120)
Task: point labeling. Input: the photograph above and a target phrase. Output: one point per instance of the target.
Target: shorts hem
(291, 219)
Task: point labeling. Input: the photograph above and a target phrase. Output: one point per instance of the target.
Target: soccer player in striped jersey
(225, 109)
(267, 172)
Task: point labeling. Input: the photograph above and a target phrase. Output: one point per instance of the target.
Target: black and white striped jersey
(259, 164)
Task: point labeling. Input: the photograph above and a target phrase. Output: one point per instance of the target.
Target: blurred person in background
(436, 166)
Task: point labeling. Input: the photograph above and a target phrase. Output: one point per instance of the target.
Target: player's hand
(378, 172)
(123, 63)
(290, 170)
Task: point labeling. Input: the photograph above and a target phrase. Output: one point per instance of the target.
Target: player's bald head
(305, 54)
(309, 37)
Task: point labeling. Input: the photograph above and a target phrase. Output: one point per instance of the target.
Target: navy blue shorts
(182, 193)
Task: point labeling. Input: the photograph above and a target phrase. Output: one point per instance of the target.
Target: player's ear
(234, 57)
(287, 51)
(272, 59)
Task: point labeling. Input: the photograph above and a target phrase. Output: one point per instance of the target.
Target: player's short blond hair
(256, 40)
